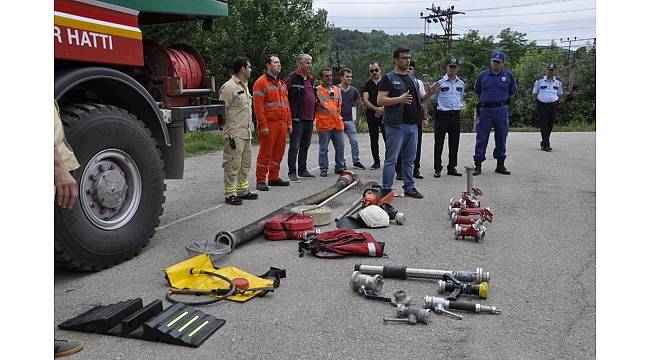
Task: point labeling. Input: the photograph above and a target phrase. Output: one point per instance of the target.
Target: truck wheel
(120, 189)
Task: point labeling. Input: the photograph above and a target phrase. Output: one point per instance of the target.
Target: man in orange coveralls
(271, 106)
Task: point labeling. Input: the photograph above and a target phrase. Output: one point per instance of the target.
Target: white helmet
(374, 216)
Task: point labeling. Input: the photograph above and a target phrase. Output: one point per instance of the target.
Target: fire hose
(403, 272)
(256, 228)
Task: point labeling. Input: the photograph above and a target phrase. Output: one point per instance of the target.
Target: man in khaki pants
(237, 133)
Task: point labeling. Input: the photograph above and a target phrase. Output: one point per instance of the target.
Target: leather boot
(501, 168)
(477, 169)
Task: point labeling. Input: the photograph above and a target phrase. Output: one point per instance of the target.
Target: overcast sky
(541, 20)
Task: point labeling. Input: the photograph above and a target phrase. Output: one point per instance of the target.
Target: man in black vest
(302, 102)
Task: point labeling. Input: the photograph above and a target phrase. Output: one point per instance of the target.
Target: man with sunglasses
(374, 112)
(400, 96)
(329, 123)
(547, 90)
(449, 102)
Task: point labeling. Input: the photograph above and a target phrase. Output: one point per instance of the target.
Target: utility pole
(336, 69)
(572, 67)
(445, 18)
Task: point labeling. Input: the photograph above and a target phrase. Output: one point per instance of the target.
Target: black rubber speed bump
(178, 324)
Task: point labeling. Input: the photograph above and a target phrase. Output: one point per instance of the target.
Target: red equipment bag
(287, 227)
(342, 242)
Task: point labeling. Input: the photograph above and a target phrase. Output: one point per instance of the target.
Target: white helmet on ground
(374, 216)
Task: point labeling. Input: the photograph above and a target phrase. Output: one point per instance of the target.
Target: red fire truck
(123, 102)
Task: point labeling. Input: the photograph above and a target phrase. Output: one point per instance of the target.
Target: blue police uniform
(547, 92)
(494, 92)
(449, 102)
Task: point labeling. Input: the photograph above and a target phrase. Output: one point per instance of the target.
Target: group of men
(396, 107)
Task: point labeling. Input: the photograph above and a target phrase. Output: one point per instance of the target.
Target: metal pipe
(469, 171)
(403, 272)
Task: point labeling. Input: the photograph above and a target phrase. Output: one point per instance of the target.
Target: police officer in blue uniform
(449, 102)
(495, 86)
(548, 90)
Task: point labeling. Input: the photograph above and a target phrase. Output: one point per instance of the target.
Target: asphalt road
(540, 252)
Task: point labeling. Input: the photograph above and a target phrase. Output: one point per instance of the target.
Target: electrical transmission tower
(445, 18)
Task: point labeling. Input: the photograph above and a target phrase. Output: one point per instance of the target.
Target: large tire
(120, 189)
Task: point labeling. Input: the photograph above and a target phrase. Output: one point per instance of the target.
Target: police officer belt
(492, 104)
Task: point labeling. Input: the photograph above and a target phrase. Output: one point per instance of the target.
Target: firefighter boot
(477, 168)
(501, 168)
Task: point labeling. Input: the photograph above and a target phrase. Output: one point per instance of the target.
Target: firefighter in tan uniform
(237, 133)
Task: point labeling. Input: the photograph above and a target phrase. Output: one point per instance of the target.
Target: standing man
(237, 130)
(495, 86)
(374, 112)
(399, 94)
(271, 107)
(424, 122)
(548, 90)
(351, 98)
(329, 123)
(449, 102)
(301, 101)
(66, 194)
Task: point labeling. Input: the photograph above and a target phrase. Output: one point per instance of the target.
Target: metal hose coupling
(365, 283)
(410, 314)
(433, 302)
(400, 298)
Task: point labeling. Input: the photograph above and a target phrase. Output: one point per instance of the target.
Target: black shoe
(294, 178)
(437, 174)
(261, 186)
(375, 165)
(547, 149)
(323, 173)
(249, 196)
(278, 182)
(358, 165)
(453, 172)
(339, 171)
(501, 168)
(305, 174)
(417, 175)
(233, 200)
(541, 146)
(477, 169)
(399, 176)
(414, 193)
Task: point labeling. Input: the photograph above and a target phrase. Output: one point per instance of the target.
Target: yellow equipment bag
(181, 276)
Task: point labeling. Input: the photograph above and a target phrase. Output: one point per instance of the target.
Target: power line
(466, 16)
(519, 5)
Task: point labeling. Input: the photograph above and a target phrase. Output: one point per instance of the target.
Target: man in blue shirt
(449, 102)
(495, 86)
(351, 98)
(548, 90)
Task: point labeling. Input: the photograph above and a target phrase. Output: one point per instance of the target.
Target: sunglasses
(374, 70)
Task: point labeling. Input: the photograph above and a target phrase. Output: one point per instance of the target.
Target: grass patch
(197, 143)
(574, 126)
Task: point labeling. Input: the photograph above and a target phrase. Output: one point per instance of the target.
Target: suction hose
(256, 228)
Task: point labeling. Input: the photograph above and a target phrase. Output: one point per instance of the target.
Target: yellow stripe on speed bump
(198, 328)
(177, 318)
(188, 323)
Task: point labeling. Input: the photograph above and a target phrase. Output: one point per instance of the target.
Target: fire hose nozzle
(457, 288)
(431, 302)
(477, 277)
(361, 283)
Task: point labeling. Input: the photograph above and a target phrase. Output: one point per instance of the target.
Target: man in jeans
(351, 98)
(301, 101)
(329, 123)
(399, 95)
